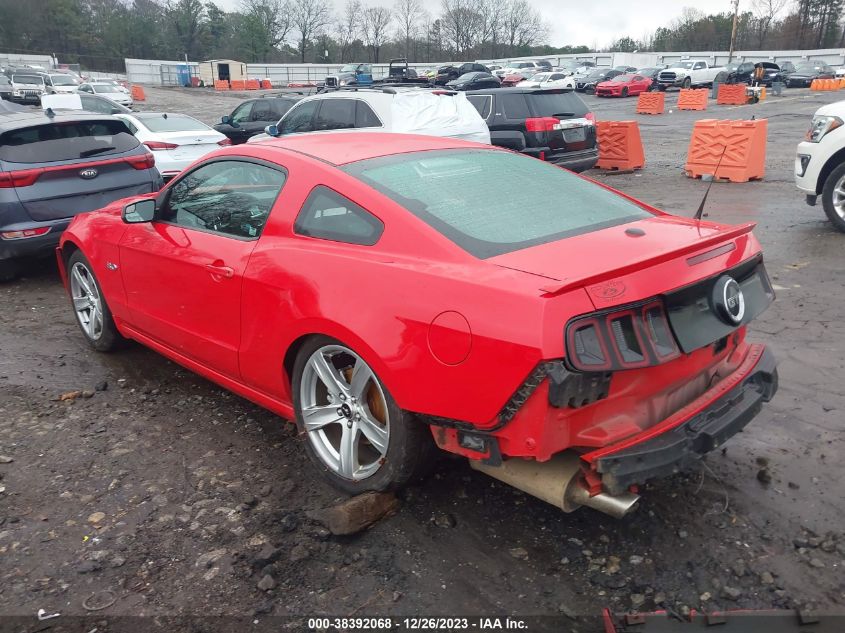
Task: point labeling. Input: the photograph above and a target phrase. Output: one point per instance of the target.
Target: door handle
(221, 271)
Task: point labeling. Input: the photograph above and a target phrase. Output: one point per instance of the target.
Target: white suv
(820, 163)
(389, 109)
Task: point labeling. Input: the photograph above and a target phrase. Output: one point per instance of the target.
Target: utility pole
(733, 31)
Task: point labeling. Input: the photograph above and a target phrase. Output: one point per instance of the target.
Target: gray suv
(53, 166)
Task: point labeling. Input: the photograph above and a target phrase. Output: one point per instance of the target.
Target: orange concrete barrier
(221, 84)
(692, 99)
(237, 84)
(737, 147)
(814, 85)
(266, 85)
(620, 145)
(138, 93)
(252, 84)
(731, 94)
(651, 103)
(832, 84)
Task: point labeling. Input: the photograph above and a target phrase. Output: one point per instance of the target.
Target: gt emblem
(88, 174)
(728, 300)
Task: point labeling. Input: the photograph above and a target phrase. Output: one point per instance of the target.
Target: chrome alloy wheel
(839, 197)
(344, 412)
(87, 302)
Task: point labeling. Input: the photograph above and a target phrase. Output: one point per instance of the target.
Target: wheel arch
(832, 163)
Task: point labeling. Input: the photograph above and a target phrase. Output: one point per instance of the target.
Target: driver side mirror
(139, 212)
(272, 130)
(226, 120)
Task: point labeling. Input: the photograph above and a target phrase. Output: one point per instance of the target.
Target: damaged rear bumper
(677, 448)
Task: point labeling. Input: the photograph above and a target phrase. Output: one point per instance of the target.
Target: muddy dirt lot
(156, 493)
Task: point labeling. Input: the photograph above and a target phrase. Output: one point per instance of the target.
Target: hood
(571, 263)
(832, 109)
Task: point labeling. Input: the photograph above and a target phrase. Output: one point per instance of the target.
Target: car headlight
(821, 125)
(343, 82)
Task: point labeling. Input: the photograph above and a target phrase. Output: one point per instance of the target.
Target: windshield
(103, 88)
(62, 80)
(731, 67)
(541, 77)
(478, 218)
(173, 123)
(687, 65)
(622, 79)
(808, 68)
(28, 79)
(596, 74)
(349, 68)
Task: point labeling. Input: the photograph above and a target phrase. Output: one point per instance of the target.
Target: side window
(261, 111)
(335, 114)
(280, 107)
(698, 66)
(132, 127)
(242, 112)
(557, 77)
(298, 118)
(229, 197)
(92, 104)
(515, 106)
(328, 215)
(482, 103)
(364, 116)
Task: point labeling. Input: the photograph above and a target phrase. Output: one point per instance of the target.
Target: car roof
(349, 147)
(17, 120)
(518, 90)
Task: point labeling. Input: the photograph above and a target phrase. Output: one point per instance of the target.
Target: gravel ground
(156, 493)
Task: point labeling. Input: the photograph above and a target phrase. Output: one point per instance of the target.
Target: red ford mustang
(381, 291)
(623, 86)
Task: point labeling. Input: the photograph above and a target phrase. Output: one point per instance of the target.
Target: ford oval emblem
(88, 174)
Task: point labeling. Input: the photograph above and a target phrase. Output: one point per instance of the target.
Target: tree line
(99, 34)
(763, 25)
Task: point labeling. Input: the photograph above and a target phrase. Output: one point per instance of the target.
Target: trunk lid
(633, 261)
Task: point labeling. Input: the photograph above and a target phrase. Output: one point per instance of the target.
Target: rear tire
(832, 200)
(9, 270)
(89, 305)
(355, 434)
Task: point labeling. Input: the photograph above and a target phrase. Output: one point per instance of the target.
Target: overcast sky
(590, 22)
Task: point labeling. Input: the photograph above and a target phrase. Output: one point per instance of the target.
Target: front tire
(355, 434)
(687, 83)
(833, 197)
(89, 305)
(624, 92)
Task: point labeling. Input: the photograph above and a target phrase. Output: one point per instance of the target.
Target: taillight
(25, 233)
(21, 178)
(628, 338)
(541, 124)
(158, 146)
(225, 142)
(590, 117)
(147, 161)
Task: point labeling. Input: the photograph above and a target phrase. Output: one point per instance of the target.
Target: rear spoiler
(553, 289)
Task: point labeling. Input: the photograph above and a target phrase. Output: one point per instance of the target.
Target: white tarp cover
(451, 116)
(61, 102)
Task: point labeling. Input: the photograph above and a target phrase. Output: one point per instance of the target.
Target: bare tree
(348, 27)
(460, 25)
(309, 18)
(765, 12)
(374, 26)
(523, 26)
(408, 14)
(491, 23)
(269, 22)
(186, 18)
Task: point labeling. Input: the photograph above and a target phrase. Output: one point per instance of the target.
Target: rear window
(173, 123)
(458, 193)
(65, 141)
(559, 104)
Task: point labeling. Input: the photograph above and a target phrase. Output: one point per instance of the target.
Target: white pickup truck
(690, 73)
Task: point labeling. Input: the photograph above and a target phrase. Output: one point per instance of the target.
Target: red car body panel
(635, 85)
(451, 336)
